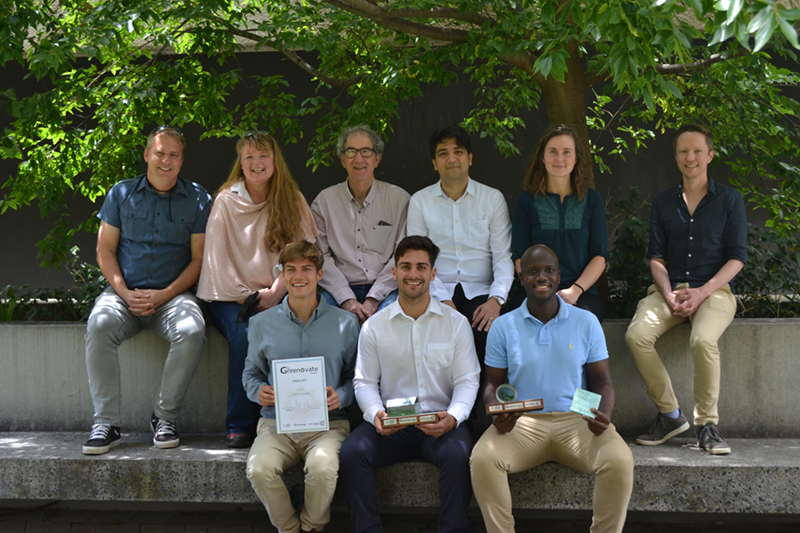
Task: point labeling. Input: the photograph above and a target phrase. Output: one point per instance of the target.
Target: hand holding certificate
(301, 398)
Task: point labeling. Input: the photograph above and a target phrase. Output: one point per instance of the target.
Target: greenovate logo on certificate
(301, 403)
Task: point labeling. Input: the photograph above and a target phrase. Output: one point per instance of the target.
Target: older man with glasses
(149, 248)
(360, 221)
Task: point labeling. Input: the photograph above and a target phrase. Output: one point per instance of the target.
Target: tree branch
(442, 13)
(365, 9)
(389, 20)
(680, 68)
(297, 60)
(335, 82)
(677, 68)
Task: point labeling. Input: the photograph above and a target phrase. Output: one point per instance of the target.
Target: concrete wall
(43, 384)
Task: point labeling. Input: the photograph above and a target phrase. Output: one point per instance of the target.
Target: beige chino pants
(272, 453)
(653, 318)
(561, 437)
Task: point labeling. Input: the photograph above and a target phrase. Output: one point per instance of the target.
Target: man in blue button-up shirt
(149, 248)
(698, 233)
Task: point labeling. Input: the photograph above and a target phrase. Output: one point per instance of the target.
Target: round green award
(506, 393)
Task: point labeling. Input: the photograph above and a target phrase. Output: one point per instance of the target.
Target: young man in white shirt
(415, 347)
(470, 223)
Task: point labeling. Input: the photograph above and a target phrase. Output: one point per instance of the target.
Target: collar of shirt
(712, 190)
(544, 329)
(322, 306)
(180, 186)
(240, 189)
(370, 195)
(433, 307)
(470, 190)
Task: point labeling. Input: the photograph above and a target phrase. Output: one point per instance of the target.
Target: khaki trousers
(653, 318)
(561, 437)
(272, 453)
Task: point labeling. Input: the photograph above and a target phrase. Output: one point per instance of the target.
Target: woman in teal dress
(557, 209)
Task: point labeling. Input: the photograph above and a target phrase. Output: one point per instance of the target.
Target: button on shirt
(155, 229)
(474, 235)
(358, 240)
(277, 334)
(432, 358)
(695, 247)
(546, 360)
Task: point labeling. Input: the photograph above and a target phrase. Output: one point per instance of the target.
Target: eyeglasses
(350, 153)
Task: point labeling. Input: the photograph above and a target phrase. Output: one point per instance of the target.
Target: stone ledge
(760, 476)
(43, 385)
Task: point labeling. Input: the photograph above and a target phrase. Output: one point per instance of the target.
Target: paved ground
(55, 519)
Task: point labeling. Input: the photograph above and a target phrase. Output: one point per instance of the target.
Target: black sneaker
(102, 438)
(166, 432)
(238, 440)
(710, 440)
(663, 429)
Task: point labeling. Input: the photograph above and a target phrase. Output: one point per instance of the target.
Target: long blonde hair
(536, 174)
(283, 218)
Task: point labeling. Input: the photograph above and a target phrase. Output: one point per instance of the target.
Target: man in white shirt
(415, 347)
(469, 222)
(360, 221)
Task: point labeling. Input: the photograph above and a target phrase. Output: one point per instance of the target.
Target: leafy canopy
(109, 69)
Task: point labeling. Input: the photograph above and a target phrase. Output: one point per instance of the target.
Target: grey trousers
(179, 321)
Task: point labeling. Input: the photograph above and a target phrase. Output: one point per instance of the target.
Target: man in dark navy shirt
(149, 248)
(698, 233)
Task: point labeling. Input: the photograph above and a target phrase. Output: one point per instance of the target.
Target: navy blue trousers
(365, 449)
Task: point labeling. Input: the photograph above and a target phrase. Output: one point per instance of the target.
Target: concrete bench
(760, 476)
(43, 383)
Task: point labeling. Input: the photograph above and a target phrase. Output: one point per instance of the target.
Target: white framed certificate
(301, 402)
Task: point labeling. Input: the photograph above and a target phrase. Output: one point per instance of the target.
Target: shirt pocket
(379, 238)
(479, 232)
(179, 230)
(439, 354)
(133, 221)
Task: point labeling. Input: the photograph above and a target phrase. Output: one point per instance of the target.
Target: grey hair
(377, 142)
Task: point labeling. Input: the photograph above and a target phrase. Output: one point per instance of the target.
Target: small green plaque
(403, 406)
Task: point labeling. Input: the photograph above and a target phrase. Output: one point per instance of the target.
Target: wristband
(581, 288)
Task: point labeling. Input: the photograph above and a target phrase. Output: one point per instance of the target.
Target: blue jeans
(180, 321)
(365, 449)
(242, 415)
(361, 292)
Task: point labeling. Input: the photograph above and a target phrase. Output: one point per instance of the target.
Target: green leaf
(764, 34)
(734, 10)
(788, 31)
(759, 20)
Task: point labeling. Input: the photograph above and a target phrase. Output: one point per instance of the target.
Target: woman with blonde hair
(256, 213)
(557, 209)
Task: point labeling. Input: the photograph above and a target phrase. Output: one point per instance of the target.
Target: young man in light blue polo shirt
(546, 349)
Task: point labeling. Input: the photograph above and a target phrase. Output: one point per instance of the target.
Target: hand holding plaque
(407, 412)
(506, 394)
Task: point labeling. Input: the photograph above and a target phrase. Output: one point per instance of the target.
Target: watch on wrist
(500, 300)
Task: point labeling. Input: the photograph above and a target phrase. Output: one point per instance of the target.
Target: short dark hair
(450, 132)
(416, 242)
(302, 250)
(693, 128)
